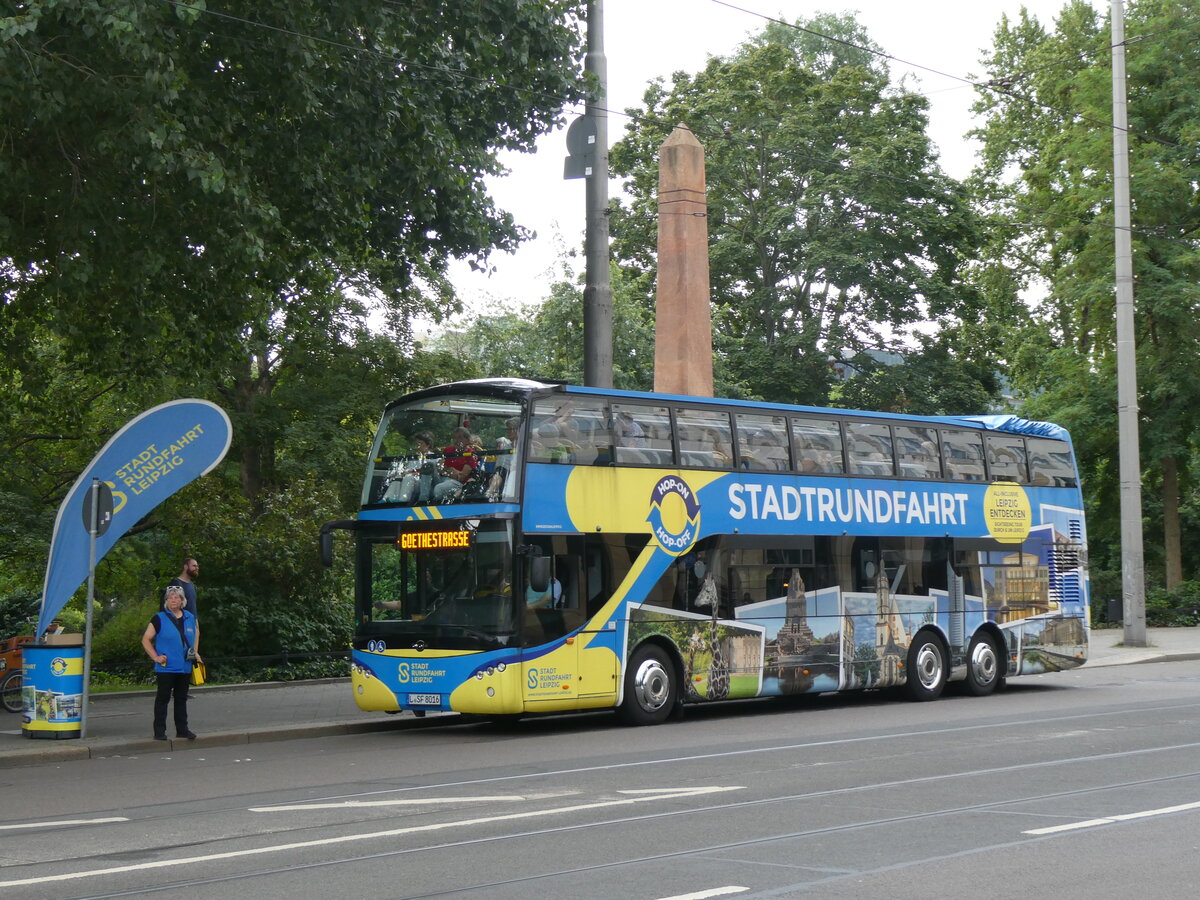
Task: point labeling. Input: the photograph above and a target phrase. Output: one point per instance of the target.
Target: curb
(209, 688)
(1103, 662)
(41, 752)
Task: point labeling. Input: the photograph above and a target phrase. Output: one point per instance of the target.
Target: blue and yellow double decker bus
(525, 547)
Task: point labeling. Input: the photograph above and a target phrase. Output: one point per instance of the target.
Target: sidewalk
(119, 724)
(1165, 645)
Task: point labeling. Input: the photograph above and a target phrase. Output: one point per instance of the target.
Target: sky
(646, 39)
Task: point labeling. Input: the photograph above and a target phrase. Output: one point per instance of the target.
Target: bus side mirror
(325, 539)
(539, 574)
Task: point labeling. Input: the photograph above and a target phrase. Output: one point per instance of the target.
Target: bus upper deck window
(1050, 463)
(642, 435)
(870, 448)
(763, 443)
(1006, 458)
(962, 454)
(917, 452)
(571, 430)
(818, 445)
(704, 439)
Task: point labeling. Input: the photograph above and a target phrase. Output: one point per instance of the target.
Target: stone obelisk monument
(683, 332)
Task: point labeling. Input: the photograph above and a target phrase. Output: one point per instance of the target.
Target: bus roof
(527, 387)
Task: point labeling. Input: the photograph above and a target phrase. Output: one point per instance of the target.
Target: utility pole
(1133, 570)
(597, 291)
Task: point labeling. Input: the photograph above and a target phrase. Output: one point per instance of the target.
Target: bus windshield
(447, 586)
(448, 449)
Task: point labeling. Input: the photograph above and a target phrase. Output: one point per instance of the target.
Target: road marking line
(714, 892)
(353, 838)
(63, 822)
(1125, 817)
(360, 804)
(665, 792)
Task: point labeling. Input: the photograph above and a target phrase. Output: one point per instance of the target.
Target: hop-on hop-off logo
(674, 514)
(58, 666)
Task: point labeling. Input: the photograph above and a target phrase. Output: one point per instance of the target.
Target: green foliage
(935, 379)
(248, 208)
(166, 167)
(73, 617)
(118, 642)
(1046, 165)
(831, 228)
(1178, 606)
(18, 613)
(1165, 607)
(546, 342)
(234, 672)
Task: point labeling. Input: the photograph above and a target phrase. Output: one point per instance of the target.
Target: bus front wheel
(651, 687)
(926, 668)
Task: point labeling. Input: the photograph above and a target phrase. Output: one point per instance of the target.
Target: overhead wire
(983, 85)
(640, 119)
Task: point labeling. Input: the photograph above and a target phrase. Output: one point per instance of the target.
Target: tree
(546, 342)
(935, 377)
(197, 203)
(167, 168)
(1046, 164)
(831, 228)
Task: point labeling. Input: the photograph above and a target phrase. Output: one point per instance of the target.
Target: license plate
(424, 699)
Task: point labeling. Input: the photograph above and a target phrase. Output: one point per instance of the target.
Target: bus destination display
(436, 540)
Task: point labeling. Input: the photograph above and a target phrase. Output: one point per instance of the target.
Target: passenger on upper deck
(416, 482)
(629, 433)
(549, 443)
(505, 448)
(763, 451)
(460, 464)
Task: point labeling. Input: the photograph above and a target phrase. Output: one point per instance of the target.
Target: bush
(118, 643)
(234, 671)
(1179, 606)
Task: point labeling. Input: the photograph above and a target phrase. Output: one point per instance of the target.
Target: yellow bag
(199, 672)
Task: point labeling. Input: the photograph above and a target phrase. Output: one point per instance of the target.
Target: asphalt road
(1082, 784)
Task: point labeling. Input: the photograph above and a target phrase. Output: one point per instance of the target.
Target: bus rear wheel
(983, 667)
(926, 668)
(651, 687)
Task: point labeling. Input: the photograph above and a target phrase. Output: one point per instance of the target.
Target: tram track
(714, 809)
(718, 810)
(1024, 751)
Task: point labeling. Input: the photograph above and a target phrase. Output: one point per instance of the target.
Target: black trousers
(171, 684)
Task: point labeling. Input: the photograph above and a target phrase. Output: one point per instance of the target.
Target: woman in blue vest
(172, 640)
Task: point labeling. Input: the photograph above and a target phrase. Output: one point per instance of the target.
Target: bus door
(558, 668)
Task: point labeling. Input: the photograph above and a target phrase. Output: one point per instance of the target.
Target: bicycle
(12, 673)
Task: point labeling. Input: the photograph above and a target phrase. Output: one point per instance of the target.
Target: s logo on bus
(674, 514)
(402, 675)
(533, 678)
